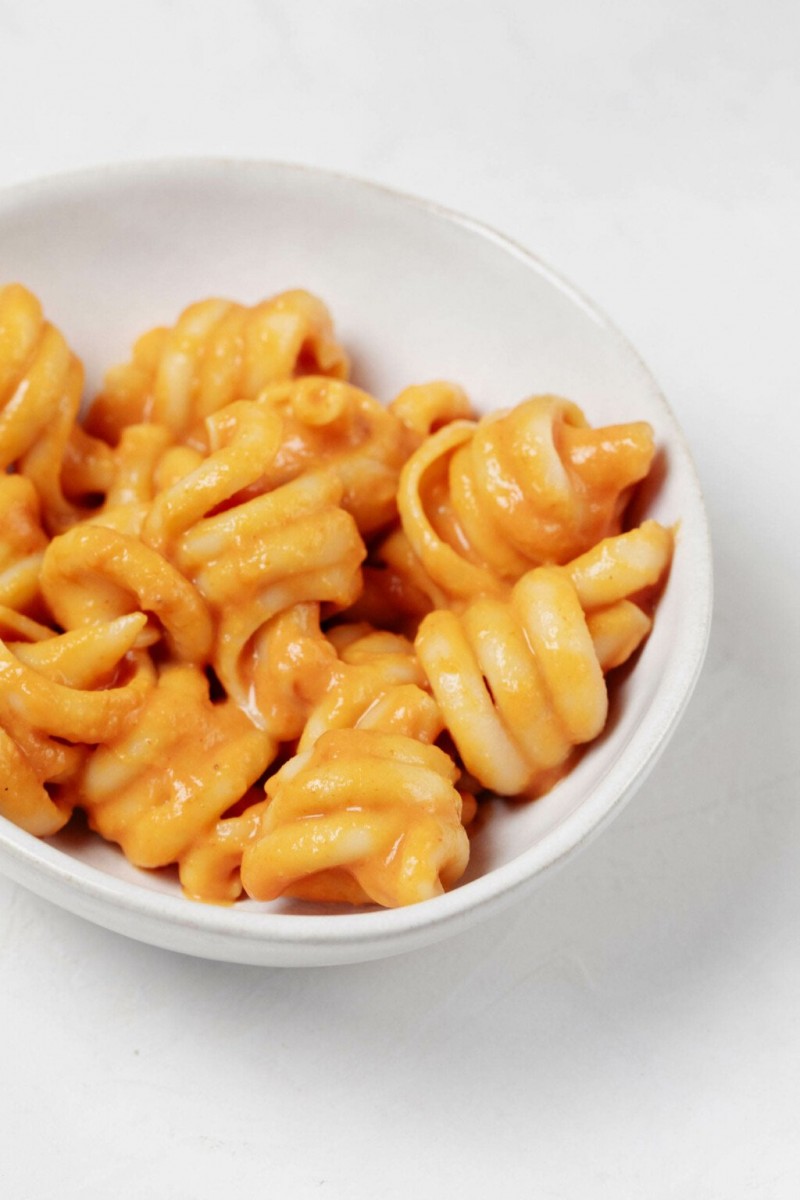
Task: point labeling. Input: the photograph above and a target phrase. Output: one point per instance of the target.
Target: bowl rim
(47, 869)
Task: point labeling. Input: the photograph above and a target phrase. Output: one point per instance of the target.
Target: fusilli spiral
(57, 696)
(159, 784)
(482, 503)
(22, 544)
(361, 816)
(520, 681)
(216, 352)
(40, 392)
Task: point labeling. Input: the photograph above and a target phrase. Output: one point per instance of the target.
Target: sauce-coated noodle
(266, 630)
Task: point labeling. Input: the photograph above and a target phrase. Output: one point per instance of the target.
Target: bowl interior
(415, 295)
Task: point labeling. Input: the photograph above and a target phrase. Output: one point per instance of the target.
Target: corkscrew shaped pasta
(93, 573)
(291, 546)
(137, 477)
(293, 666)
(216, 525)
(520, 681)
(367, 810)
(330, 423)
(210, 869)
(118, 561)
(378, 684)
(251, 560)
(58, 695)
(22, 544)
(159, 785)
(216, 352)
(40, 392)
(151, 542)
(355, 677)
(363, 816)
(144, 498)
(482, 503)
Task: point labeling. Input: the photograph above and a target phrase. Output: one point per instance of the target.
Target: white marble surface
(632, 1029)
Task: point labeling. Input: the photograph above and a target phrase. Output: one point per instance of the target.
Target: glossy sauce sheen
(260, 626)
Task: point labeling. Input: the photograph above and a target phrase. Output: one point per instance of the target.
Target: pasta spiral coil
(258, 557)
(75, 688)
(159, 785)
(362, 816)
(93, 573)
(216, 352)
(379, 691)
(363, 443)
(243, 440)
(22, 543)
(294, 545)
(482, 503)
(293, 665)
(374, 683)
(226, 576)
(210, 869)
(40, 392)
(520, 682)
(379, 685)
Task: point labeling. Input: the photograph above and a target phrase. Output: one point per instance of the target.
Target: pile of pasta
(258, 626)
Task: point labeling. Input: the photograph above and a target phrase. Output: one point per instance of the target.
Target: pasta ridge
(268, 632)
(58, 696)
(158, 807)
(361, 443)
(482, 502)
(368, 681)
(41, 382)
(362, 816)
(520, 681)
(217, 351)
(22, 545)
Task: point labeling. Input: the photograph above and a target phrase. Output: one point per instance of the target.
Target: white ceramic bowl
(417, 293)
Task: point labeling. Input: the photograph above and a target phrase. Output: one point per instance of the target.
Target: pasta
(520, 682)
(364, 815)
(281, 638)
(215, 353)
(40, 391)
(194, 769)
(58, 695)
(23, 544)
(366, 779)
(482, 502)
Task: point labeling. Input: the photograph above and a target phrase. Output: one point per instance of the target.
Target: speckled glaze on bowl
(417, 293)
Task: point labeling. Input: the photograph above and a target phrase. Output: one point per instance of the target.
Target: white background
(633, 1030)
